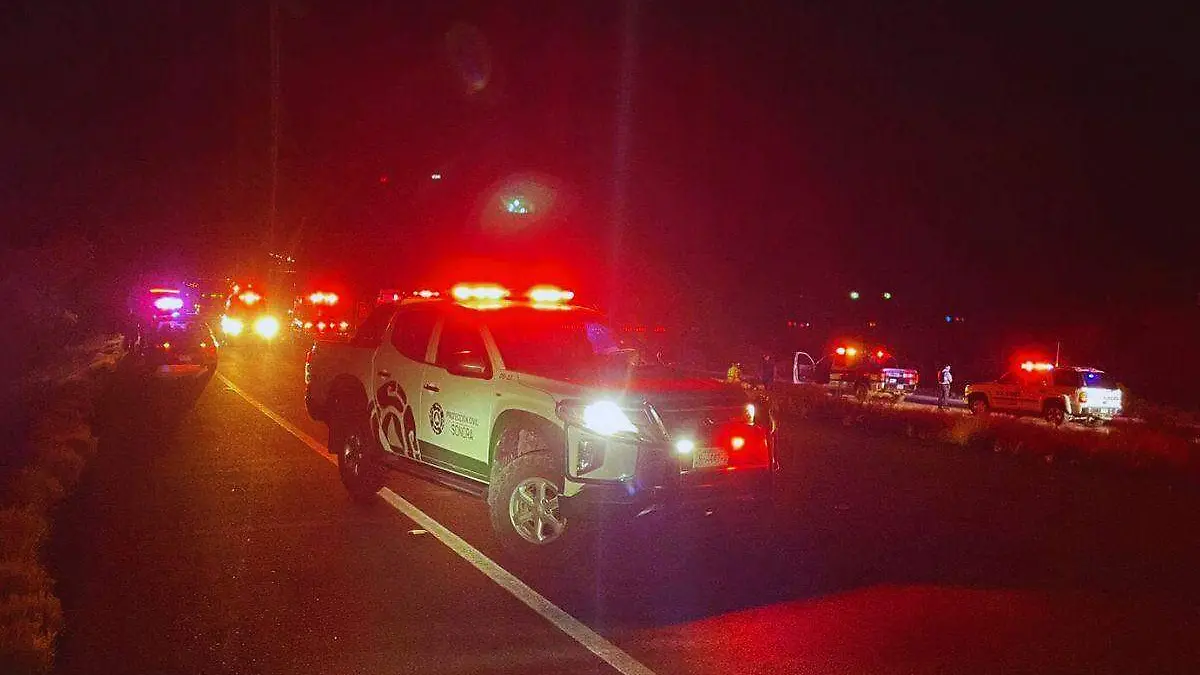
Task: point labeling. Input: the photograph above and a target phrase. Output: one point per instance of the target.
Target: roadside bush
(29, 623)
(22, 531)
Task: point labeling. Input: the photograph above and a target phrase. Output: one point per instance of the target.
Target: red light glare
(737, 443)
(549, 294)
(465, 292)
(879, 354)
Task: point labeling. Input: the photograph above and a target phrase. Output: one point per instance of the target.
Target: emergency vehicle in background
(247, 317)
(849, 368)
(322, 314)
(1058, 394)
(533, 403)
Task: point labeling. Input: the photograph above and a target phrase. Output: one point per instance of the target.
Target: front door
(457, 408)
(398, 370)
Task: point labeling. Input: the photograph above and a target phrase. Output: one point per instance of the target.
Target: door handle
(429, 386)
(384, 373)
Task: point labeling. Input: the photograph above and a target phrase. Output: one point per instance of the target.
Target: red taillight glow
(549, 294)
(465, 292)
(737, 443)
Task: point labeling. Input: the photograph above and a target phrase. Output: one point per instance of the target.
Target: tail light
(747, 446)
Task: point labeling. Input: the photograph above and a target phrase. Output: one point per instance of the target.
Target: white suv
(535, 405)
(1058, 394)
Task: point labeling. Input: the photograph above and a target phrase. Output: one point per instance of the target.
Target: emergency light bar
(464, 292)
(426, 293)
(168, 303)
(1030, 366)
(320, 298)
(846, 351)
(249, 297)
(549, 294)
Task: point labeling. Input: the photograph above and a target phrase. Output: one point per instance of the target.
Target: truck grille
(698, 424)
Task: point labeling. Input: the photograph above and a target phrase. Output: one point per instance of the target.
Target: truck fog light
(589, 457)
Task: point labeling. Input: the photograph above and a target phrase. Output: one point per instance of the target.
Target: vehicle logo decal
(437, 418)
(392, 417)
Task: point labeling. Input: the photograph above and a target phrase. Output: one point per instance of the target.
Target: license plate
(710, 457)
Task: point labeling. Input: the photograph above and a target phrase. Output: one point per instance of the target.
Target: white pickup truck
(535, 405)
(1058, 394)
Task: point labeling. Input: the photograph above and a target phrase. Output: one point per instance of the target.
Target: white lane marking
(576, 629)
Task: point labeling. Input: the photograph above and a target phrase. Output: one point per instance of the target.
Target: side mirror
(469, 364)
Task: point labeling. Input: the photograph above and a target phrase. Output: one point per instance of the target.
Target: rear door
(458, 409)
(396, 386)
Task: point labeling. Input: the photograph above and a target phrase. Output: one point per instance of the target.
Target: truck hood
(656, 387)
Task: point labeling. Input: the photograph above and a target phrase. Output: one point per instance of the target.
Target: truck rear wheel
(979, 406)
(524, 508)
(1055, 414)
(358, 463)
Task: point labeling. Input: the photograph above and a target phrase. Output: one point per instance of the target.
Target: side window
(460, 338)
(370, 331)
(411, 332)
(1066, 378)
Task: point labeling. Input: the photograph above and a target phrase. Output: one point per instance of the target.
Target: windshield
(560, 345)
(1098, 379)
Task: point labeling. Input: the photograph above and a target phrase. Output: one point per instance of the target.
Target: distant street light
(435, 176)
(887, 295)
(854, 295)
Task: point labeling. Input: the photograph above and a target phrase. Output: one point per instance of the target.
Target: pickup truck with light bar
(870, 374)
(1058, 394)
(533, 404)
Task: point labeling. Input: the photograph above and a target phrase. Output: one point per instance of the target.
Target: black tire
(1055, 414)
(979, 406)
(518, 525)
(359, 464)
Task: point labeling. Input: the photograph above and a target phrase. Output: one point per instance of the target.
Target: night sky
(982, 159)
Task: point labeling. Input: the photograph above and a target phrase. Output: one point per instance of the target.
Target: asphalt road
(207, 538)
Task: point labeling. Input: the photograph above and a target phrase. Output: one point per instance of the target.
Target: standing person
(768, 371)
(944, 380)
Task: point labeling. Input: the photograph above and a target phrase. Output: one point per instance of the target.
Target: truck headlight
(602, 417)
(231, 326)
(267, 326)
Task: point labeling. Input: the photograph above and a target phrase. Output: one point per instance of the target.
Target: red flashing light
(249, 297)
(879, 354)
(737, 443)
(549, 294)
(841, 351)
(467, 292)
(1030, 366)
(426, 293)
(320, 298)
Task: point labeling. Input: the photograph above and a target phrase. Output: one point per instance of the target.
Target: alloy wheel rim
(533, 511)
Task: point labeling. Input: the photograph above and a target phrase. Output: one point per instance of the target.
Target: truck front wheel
(524, 508)
(358, 465)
